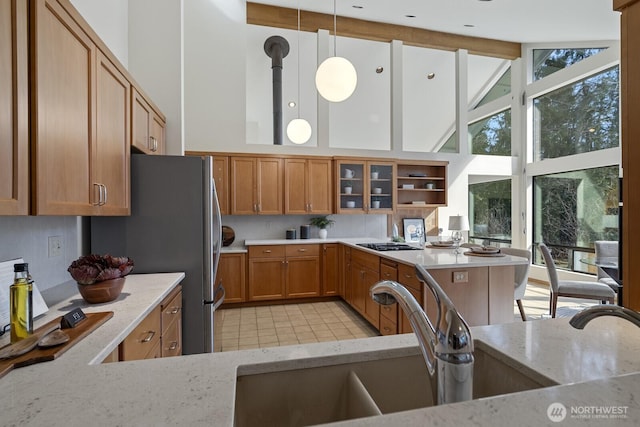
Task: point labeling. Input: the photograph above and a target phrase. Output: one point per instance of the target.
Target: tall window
(492, 135)
(573, 209)
(548, 61)
(490, 211)
(578, 118)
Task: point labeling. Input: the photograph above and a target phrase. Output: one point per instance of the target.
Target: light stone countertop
(597, 367)
(430, 258)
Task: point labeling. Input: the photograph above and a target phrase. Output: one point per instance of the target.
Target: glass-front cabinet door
(352, 187)
(365, 186)
(381, 189)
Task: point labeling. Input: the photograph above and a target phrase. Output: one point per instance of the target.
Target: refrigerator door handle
(217, 302)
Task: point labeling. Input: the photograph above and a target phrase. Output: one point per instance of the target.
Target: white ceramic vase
(322, 233)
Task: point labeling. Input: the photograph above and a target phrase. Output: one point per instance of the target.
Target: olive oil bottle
(21, 303)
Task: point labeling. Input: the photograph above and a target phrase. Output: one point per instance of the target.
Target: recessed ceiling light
(469, 25)
(431, 75)
(409, 16)
(379, 70)
(355, 6)
(292, 104)
(592, 130)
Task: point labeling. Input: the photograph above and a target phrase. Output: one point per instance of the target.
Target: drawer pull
(302, 250)
(267, 251)
(173, 346)
(149, 336)
(408, 276)
(386, 329)
(175, 310)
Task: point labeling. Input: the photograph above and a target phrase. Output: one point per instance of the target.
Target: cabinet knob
(175, 310)
(173, 346)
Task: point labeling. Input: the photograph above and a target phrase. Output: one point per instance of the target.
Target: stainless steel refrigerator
(174, 226)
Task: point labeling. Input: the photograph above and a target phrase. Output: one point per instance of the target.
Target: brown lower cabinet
(283, 271)
(407, 277)
(330, 269)
(232, 269)
(365, 272)
(157, 335)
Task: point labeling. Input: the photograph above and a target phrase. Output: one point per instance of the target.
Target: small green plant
(322, 222)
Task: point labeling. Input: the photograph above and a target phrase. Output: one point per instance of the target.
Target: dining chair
(521, 276)
(572, 288)
(606, 251)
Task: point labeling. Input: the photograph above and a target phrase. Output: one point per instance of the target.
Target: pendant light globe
(299, 131)
(336, 79)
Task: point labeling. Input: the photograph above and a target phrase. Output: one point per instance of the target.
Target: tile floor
(277, 325)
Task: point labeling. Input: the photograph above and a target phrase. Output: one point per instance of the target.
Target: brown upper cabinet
(421, 184)
(14, 108)
(65, 115)
(365, 186)
(148, 126)
(307, 186)
(80, 123)
(221, 178)
(256, 186)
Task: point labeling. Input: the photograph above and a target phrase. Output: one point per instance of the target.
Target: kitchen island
(480, 286)
(596, 367)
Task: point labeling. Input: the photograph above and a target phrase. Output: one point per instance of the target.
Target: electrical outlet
(460, 276)
(55, 246)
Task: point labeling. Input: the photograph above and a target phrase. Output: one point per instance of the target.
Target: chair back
(551, 267)
(606, 250)
(522, 271)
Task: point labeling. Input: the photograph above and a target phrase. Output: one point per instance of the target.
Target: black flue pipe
(276, 48)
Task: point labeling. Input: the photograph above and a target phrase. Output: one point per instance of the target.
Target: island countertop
(429, 257)
(595, 367)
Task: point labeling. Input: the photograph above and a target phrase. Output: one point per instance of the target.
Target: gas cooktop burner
(389, 246)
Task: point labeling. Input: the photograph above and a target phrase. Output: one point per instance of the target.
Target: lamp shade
(336, 79)
(458, 223)
(299, 131)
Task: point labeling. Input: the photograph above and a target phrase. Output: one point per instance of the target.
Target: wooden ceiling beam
(280, 17)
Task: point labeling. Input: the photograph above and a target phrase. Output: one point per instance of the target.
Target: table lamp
(458, 224)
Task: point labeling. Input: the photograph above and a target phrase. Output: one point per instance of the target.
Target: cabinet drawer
(302, 250)
(387, 326)
(171, 310)
(366, 259)
(388, 273)
(390, 312)
(142, 340)
(268, 251)
(407, 276)
(172, 340)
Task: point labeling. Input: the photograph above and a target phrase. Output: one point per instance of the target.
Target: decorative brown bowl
(100, 292)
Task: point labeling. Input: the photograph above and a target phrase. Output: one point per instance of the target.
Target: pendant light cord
(335, 29)
(298, 58)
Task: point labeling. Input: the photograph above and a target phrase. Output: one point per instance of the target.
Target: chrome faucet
(447, 348)
(580, 320)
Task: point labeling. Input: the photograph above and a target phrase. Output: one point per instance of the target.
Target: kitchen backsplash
(27, 237)
(275, 227)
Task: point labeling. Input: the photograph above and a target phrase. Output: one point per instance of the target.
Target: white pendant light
(336, 77)
(299, 130)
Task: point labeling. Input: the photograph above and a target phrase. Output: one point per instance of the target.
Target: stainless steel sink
(360, 389)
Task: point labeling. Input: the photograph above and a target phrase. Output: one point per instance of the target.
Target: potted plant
(348, 187)
(100, 278)
(322, 222)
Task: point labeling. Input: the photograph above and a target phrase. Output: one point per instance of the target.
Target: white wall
(27, 237)
(109, 20)
(155, 60)
(214, 74)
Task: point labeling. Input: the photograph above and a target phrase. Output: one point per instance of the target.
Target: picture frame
(413, 230)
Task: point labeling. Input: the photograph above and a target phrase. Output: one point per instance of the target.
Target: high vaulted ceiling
(523, 21)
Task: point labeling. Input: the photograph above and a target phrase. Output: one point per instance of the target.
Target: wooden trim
(621, 4)
(280, 17)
